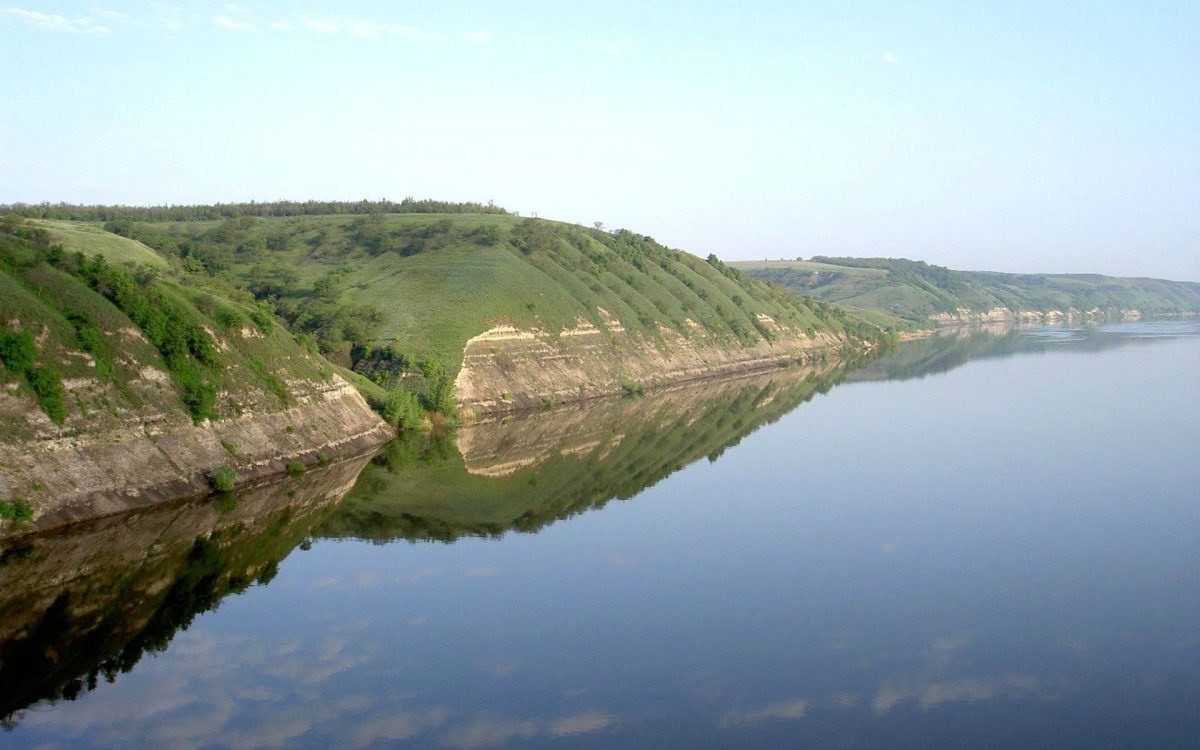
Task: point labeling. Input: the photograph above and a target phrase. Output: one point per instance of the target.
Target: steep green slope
(89, 320)
(121, 386)
(425, 284)
(913, 291)
(398, 297)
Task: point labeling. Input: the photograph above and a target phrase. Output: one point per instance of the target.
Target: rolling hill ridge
(906, 293)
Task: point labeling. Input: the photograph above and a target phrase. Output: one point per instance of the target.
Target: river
(987, 539)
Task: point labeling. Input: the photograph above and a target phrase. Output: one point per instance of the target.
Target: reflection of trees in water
(35, 668)
(567, 461)
(145, 576)
(142, 584)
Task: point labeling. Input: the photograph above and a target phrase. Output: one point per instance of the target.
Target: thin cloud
(478, 37)
(54, 22)
(891, 58)
(488, 732)
(589, 721)
(781, 711)
(366, 29)
(232, 24)
(320, 26)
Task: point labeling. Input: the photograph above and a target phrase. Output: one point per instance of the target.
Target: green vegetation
(127, 334)
(47, 388)
(234, 302)
(384, 293)
(632, 389)
(403, 409)
(92, 239)
(15, 510)
(296, 468)
(419, 487)
(18, 352)
(223, 478)
(121, 216)
(905, 293)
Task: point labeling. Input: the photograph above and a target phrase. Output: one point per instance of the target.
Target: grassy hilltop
(891, 291)
(394, 291)
(100, 335)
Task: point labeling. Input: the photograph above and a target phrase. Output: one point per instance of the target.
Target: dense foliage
(201, 212)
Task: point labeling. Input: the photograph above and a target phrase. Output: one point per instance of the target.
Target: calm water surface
(983, 541)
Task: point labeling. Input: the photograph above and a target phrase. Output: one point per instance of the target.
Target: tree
(403, 409)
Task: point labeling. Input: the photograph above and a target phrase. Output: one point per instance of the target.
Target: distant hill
(891, 291)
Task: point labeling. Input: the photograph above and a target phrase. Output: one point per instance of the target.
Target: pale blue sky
(1011, 136)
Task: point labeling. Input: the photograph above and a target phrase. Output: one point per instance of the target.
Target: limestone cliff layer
(69, 475)
(965, 315)
(508, 369)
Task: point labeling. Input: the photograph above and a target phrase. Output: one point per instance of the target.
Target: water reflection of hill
(87, 602)
(954, 348)
(528, 471)
(524, 472)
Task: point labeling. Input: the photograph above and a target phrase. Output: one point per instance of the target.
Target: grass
(91, 239)
(84, 337)
(436, 280)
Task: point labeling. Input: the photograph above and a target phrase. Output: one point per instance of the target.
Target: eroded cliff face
(91, 468)
(966, 316)
(508, 369)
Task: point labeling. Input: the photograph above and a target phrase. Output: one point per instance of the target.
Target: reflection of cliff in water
(527, 471)
(524, 472)
(955, 347)
(87, 602)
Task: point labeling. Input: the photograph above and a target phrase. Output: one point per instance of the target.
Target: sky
(1016, 136)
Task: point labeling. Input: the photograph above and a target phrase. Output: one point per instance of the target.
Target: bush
(47, 386)
(223, 478)
(17, 350)
(403, 409)
(262, 317)
(295, 468)
(227, 317)
(16, 510)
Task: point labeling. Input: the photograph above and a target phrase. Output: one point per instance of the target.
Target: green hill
(427, 282)
(122, 383)
(397, 296)
(84, 318)
(913, 293)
